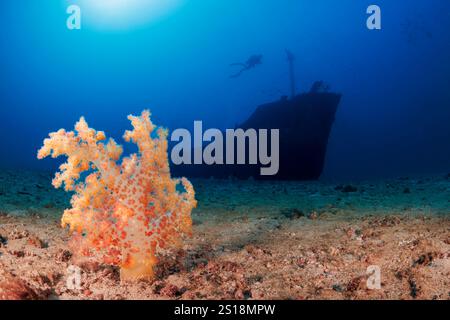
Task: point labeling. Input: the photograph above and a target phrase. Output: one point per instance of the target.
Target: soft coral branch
(125, 211)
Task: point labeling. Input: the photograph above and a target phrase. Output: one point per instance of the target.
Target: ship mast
(291, 58)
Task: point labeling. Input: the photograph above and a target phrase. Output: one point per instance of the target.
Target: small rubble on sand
(251, 240)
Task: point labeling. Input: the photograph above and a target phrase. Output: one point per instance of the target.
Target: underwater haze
(393, 118)
(307, 155)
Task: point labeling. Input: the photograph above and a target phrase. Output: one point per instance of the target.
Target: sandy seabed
(251, 240)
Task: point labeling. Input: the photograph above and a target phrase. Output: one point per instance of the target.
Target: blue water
(393, 119)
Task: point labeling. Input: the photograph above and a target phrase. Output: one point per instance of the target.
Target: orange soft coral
(125, 212)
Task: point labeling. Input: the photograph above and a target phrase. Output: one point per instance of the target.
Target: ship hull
(304, 124)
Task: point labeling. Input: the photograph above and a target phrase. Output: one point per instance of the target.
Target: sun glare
(120, 14)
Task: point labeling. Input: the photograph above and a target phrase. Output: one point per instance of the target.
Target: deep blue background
(393, 120)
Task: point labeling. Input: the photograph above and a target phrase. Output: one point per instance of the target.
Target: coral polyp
(127, 209)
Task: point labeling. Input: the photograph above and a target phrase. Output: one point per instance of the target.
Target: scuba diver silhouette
(252, 62)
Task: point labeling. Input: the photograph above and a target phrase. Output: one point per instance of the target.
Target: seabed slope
(251, 240)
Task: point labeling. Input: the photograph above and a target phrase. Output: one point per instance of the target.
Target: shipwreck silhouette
(304, 120)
